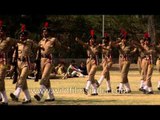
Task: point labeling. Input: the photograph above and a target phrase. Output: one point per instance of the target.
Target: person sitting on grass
(72, 71)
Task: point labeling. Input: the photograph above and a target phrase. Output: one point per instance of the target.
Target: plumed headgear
(23, 30)
(92, 35)
(46, 27)
(2, 27)
(147, 37)
(106, 36)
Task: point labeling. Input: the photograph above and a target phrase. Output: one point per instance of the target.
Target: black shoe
(108, 91)
(120, 91)
(141, 89)
(151, 92)
(3, 103)
(144, 91)
(26, 102)
(14, 98)
(37, 97)
(158, 88)
(94, 94)
(129, 91)
(49, 100)
(85, 91)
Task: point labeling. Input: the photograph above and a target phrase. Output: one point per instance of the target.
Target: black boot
(49, 100)
(108, 91)
(94, 94)
(3, 103)
(26, 101)
(14, 98)
(37, 97)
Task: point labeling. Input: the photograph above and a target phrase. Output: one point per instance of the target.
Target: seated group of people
(60, 71)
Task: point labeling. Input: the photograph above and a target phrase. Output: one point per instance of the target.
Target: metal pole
(102, 26)
(102, 30)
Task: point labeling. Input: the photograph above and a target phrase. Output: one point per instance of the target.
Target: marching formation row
(18, 55)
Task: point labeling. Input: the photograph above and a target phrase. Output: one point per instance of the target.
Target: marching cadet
(24, 53)
(125, 53)
(141, 55)
(106, 62)
(139, 60)
(6, 44)
(139, 63)
(47, 44)
(158, 61)
(91, 62)
(147, 64)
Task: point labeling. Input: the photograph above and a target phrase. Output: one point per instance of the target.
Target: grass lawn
(70, 91)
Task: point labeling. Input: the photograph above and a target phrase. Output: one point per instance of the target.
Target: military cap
(23, 30)
(46, 27)
(2, 27)
(147, 37)
(92, 35)
(123, 34)
(106, 37)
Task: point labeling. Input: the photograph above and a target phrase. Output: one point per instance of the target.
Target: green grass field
(70, 91)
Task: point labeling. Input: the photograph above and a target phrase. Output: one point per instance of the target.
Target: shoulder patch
(8, 38)
(53, 39)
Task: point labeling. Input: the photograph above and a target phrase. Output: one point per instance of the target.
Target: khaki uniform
(24, 64)
(92, 62)
(106, 65)
(5, 46)
(158, 58)
(147, 66)
(25, 48)
(91, 65)
(139, 63)
(158, 63)
(47, 59)
(106, 61)
(48, 45)
(124, 62)
(125, 52)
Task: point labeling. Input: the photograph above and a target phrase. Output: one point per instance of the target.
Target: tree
(151, 28)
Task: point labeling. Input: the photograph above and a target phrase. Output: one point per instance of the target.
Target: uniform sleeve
(34, 44)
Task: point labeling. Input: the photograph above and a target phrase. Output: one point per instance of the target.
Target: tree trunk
(151, 28)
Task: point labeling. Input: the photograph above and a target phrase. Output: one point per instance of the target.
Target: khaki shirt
(6, 46)
(48, 45)
(92, 51)
(106, 51)
(25, 49)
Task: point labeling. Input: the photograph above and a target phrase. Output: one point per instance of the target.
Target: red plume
(92, 33)
(105, 34)
(125, 34)
(1, 23)
(23, 27)
(46, 24)
(122, 31)
(146, 35)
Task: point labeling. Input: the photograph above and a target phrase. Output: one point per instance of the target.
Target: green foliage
(67, 27)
